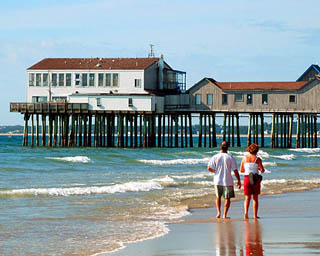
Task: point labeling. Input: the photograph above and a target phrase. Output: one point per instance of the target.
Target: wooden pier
(74, 125)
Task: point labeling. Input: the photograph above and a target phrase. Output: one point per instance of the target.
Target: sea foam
(191, 161)
(73, 159)
(306, 150)
(137, 186)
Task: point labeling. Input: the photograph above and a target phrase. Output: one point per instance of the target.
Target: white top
(251, 168)
(223, 164)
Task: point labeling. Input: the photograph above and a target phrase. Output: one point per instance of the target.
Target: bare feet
(256, 217)
(218, 216)
(226, 218)
(246, 217)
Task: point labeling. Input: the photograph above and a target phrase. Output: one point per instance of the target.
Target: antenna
(151, 54)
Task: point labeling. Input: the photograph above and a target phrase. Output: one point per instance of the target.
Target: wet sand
(289, 225)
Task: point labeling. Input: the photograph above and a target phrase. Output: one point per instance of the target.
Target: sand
(289, 225)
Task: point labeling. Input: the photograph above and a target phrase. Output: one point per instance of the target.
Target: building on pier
(105, 84)
(294, 96)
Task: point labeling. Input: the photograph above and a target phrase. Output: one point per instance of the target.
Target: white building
(109, 84)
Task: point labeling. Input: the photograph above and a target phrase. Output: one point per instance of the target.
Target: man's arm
(236, 173)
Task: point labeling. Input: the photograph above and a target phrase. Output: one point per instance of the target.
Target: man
(222, 164)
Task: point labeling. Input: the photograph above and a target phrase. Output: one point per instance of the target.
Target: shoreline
(293, 228)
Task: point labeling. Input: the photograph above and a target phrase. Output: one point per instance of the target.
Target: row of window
(239, 97)
(80, 79)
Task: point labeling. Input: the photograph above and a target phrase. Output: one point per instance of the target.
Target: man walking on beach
(222, 164)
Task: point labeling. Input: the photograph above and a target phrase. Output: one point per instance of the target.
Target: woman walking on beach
(250, 166)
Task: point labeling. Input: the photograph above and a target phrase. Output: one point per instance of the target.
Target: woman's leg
(255, 206)
(247, 199)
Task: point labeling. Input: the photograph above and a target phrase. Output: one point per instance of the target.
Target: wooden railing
(49, 107)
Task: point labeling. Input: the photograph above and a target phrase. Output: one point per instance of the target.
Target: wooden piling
(181, 132)
(43, 130)
(272, 144)
(262, 130)
(214, 133)
(298, 132)
(37, 130)
(205, 130)
(200, 132)
(190, 131)
(249, 131)
(238, 131)
(290, 132)
(32, 131)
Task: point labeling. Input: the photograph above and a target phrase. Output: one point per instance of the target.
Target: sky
(232, 40)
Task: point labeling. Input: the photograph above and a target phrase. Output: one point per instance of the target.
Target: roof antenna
(151, 54)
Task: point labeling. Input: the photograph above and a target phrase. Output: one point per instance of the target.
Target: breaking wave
(306, 150)
(73, 159)
(191, 161)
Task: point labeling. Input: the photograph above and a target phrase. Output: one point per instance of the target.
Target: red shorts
(249, 189)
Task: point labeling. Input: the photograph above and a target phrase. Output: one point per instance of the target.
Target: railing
(49, 107)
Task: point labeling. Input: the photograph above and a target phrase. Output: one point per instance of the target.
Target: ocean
(94, 201)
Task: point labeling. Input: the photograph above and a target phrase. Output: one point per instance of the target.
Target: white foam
(286, 157)
(73, 159)
(309, 156)
(192, 176)
(306, 150)
(176, 161)
(272, 164)
(138, 186)
(274, 181)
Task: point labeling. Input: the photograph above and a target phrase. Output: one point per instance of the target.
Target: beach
(110, 201)
(289, 225)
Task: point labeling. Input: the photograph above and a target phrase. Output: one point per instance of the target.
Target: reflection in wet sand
(253, 239)
(225, 239)
(228, 233)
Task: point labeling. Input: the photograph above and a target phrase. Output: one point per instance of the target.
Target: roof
(313, 66)
(94, 63)
(245, 86)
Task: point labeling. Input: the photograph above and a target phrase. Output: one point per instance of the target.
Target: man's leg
(226, 207)
(246, 206)
(255, 206)
(218, 205)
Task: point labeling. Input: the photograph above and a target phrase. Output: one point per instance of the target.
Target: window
(58, 98)
(45, 79)
(38, 79)
(68, 79)
(98, 102)
(100, 79)
(292, 98)
(84, 79)
(265, 99)
(31, 79)
(249, 99)
(77, 79)
(91, 79)
(108, 79)
(61, 79)
(115, 79)
(36, 99)
(209, 99)
(54, 79)
(224, 99)
(198, 99)
(130, 104)
(137, 83)
(238, 97)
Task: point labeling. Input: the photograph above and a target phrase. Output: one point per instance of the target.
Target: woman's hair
(253, 148)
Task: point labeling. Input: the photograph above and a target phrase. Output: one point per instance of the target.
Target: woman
(250, 165)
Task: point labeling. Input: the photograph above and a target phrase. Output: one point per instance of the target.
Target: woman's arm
(260, 166)
(242, 165)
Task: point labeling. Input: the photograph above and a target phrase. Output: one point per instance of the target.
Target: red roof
(234, 86)
(94, 63)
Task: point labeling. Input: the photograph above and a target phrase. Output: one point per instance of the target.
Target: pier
(74, 125)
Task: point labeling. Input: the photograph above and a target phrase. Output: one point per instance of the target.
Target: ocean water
(88, 201)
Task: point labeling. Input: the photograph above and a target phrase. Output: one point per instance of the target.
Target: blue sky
(230, 40)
